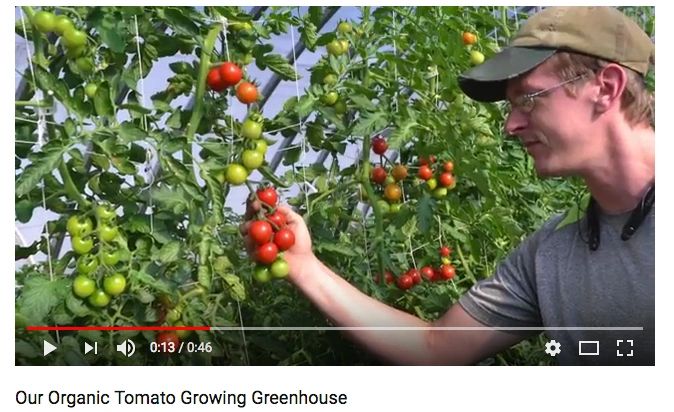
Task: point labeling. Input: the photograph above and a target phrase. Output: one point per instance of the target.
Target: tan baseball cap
(603, 32)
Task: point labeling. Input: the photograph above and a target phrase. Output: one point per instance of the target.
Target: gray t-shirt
(553, 279)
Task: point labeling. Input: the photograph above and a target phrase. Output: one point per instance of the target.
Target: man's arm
(345, 305)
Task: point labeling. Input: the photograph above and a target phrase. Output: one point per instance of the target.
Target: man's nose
(515, 123)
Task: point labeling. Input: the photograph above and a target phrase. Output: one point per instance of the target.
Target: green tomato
(340, 107)
(90, 90)
(335, 48)
(330, 80)
(105, 213)
(85, 64)
(395, 208)
(81, 245)
(79, 226)
(75, 52)
(389, 180)
(173, 316)
(73, 38)
(261, 146)
(344, 27)
(110, 257)
(440, 192)
(383, 206)
(44, 21)
(83, 286)
(236, 174)
(432, 183)
(182, 334)
(62, 24)
(251, 129)
(262, 274)
(220, 176)
(114, 285)
(476, 57)
(344, 45)
(252, 159)
(99, 299)
(87, 264)
(280, 268)
(107, 232)
(330, 98)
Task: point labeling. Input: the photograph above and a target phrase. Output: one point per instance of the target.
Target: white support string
(225, 25)
(303, 142)
(144, 118)
(39, 121)
(395, 63)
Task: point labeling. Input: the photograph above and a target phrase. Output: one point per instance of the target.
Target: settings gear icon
(553, 348)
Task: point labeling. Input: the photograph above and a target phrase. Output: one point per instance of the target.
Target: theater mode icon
(588, 347)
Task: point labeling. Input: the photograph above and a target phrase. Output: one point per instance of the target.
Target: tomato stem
(465, 265)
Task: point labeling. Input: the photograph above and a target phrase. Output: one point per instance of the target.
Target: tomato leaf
(130, 133)
(176, 18)
(102, 100)
(402, 134)
(48, 161)
(234, 285)
(425, 213)
(113, 33)
(279, 65)
(269, 175)
(309, 35)
(168, 198)
(325, 247)
(40, 295)
(144, 278)
(168, 253)
(369, 123)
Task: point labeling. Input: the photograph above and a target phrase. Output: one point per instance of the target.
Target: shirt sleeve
(509, 298)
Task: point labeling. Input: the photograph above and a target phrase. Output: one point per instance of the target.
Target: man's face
(555, 127)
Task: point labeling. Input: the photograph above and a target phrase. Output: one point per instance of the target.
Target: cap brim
(487, 81)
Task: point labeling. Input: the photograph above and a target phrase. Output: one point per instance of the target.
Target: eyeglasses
(526, 102)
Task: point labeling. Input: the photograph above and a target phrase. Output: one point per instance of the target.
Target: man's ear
(611, 80)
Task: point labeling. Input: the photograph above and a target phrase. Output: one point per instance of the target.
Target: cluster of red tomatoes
(87, 283)
(413, 276)
(271, 237)
(227, 75)
(439, 178)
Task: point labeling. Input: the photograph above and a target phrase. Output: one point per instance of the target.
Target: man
(573, 78)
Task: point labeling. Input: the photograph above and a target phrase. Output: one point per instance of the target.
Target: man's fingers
(252, 207)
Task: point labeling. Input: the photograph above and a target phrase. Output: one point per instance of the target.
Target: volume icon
(127, 348)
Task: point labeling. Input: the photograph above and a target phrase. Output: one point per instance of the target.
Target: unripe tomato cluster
(271, 237)
(413, 276)
(91, 283)
(337, 47)
(439, 178)
(74, 41)
(227, 75)
(252, 156)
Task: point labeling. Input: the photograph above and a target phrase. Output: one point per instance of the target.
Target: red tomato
(379, 145)
(268, 196)
(445, 251)
(415, 275)
(425, 172)
(284, 239)
(230, 74)
(448, 166)
(277, 219)
(404, 282)
(246, 92)
(215, 81)
(427, 272)
(260, 231)
(167, 342)
(378, 175)
(446, 179)
(267, 253)
(447, 272)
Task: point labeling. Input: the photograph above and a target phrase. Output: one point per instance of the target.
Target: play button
(48, 348)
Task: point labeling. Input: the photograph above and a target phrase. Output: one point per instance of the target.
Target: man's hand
(300, 254)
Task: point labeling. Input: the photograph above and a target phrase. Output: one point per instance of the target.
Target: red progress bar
(114, 328)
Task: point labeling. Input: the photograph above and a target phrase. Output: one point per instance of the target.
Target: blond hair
(637, 102)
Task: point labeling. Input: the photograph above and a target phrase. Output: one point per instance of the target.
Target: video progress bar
(424, 328)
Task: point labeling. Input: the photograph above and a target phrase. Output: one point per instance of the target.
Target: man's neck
(627, 171)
